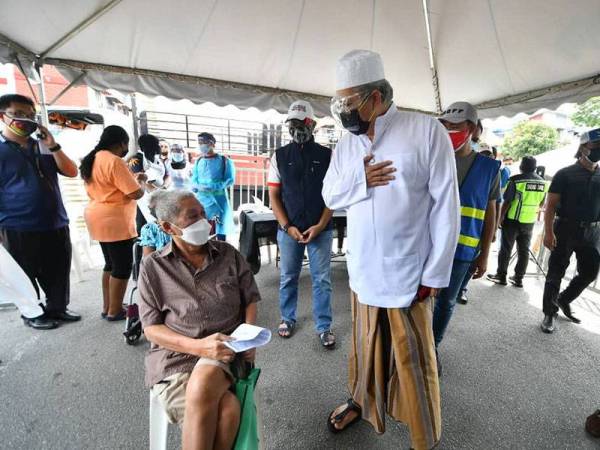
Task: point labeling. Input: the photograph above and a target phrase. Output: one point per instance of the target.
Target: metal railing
(251, 187)
(233, 136)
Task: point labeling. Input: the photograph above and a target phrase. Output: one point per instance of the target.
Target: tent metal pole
(136, 133)
(20, 65)
(42, 90)
(79, 28)
(434, 75)
(67, 88)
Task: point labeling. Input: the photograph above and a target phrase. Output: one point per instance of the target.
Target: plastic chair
(159, 424)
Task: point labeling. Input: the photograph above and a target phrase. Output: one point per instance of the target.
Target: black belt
(578, 223)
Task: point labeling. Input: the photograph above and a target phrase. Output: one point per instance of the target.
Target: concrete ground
(505, 386)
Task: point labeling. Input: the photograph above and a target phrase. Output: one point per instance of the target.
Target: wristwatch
(56, 148)
(286, 227)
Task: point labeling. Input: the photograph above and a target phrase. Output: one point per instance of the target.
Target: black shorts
(118, 258)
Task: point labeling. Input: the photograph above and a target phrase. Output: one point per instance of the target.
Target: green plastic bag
(247, 437)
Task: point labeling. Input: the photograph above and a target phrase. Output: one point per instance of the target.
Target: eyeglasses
(340, 105)
(19, 115)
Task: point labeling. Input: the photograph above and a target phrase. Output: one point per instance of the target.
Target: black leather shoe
(516, 282)
(566, 310)
(462, 298)
(65, 316)
(497, 279)
(548, 325)
(41, 323)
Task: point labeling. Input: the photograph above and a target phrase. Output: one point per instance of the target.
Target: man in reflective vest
(479, 188)
(524, 195)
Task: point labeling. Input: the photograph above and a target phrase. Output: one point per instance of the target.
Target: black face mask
(594, 155)
(352, 121)
(301, 134)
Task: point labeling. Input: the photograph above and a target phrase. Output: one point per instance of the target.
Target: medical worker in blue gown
(211, 176)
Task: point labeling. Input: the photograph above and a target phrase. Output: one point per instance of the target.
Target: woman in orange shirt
(110, 215)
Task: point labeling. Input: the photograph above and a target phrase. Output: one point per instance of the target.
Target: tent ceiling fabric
(265, 53)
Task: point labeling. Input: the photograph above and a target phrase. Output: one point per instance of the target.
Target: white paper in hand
(248, 337)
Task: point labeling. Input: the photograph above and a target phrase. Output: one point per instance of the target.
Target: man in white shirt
(395, 175)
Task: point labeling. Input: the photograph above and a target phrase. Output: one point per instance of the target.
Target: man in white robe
(395, 175)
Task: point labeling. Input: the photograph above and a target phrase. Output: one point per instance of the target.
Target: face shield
(341, 106)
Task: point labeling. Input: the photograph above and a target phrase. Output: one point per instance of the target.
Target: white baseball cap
(300, 110)
(460, 112)
(358, 67)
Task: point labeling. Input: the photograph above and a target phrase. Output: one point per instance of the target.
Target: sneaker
(462, 298)
(497, 279)
(327, 339)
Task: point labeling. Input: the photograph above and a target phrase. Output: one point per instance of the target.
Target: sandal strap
(350, 406)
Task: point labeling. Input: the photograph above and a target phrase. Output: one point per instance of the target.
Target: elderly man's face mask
(301, 131)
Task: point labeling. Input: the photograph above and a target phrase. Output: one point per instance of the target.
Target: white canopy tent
(506, 56)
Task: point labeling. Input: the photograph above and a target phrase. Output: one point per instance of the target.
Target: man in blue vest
(295, 182)
(479, 188)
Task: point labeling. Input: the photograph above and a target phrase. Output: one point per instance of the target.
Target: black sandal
(285, 327)
(351, 406)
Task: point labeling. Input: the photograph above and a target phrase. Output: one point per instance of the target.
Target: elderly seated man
(193, 294)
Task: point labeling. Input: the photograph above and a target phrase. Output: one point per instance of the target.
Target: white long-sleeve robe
(403, 234)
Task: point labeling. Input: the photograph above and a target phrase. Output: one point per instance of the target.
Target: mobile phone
(41, 135)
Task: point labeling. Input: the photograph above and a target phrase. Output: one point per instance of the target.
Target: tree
(588, 113)
(530, 138)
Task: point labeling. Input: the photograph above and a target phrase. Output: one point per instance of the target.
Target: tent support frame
(18, 49)
(42, 90)
(432, 65)
(581, 84)
(67, 88)
(79, 28)
(20, 65)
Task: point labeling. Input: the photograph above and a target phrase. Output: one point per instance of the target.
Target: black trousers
(584, 243)
(45, 256)
(521, 233)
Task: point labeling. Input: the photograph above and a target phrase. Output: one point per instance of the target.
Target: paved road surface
(506, 385)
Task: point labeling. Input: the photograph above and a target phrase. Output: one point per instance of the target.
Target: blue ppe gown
(211, 176)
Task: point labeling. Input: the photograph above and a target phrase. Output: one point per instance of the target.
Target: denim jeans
(446, 300)
(319, 256)
(465, 284)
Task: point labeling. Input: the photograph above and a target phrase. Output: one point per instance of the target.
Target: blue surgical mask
(177, 157)
(204, 149)
(475, 146)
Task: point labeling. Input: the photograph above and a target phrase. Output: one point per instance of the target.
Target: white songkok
(358, 67)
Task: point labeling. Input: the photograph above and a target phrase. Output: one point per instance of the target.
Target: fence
(234, 137)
